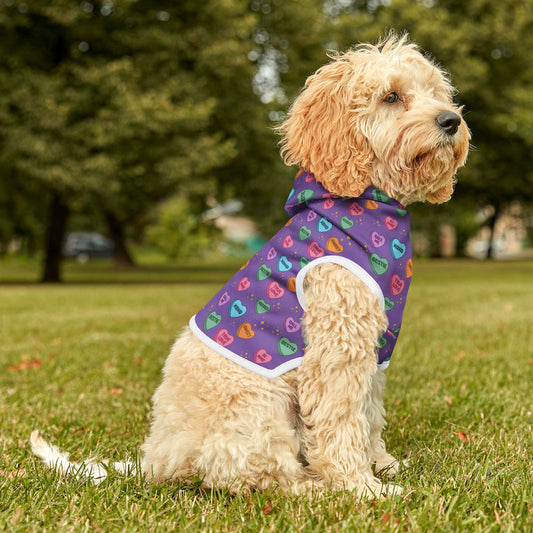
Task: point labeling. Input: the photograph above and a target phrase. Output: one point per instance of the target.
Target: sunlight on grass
(80, 361)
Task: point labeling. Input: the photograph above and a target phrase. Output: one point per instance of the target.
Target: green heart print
(380, 196)
(286, 347)
(345, 222)
(378, 264)
(213, 319)
(389, 304)
(263, 272)
(304, 233)
(305, 195)
(262, 307)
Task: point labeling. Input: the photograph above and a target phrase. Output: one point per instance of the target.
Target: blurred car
(83, 246)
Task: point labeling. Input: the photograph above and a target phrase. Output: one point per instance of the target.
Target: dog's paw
(389, 466)
(393, 490)
(379, 490)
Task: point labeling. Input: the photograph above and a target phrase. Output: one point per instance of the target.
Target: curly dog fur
(376, 115)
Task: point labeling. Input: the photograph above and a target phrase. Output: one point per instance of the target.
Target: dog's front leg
(343, 322)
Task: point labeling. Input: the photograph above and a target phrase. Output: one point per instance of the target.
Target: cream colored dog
(377, 116)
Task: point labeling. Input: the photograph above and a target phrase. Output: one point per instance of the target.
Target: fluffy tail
(95, 471)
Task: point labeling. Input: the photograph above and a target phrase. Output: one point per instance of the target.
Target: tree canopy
(109, 107)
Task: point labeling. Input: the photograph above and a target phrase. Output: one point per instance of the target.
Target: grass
(81, 360)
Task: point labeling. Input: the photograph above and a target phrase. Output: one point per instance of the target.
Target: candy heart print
(213, 319)
(237, 309)
(261, 357)
(286, 347)
(244, 284)
(396, 284)
(224, 299)
(355, 209)
(223, 337)
(274, 290)
(391, 223)
(245, 331)
(315, 250)
(287, 242)
(377, 239)
(397, 249)
(263, 272)
(291, 325)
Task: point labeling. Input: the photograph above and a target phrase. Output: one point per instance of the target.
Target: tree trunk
(55, 233)
(492, 226)
(122, 255)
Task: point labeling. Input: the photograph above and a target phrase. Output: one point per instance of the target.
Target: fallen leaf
(25, 365)
(116, 391)
(508, 307)
(56, 341)
(459, 355)
(385, 518)
(447, 399)
(463, 437)
(267, 509)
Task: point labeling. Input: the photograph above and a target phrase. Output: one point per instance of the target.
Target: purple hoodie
(255, 319)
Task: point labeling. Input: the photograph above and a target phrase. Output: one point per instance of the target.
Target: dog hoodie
(255, 319)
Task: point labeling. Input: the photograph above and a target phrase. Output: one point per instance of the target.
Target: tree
(111, 106)
(483, 44)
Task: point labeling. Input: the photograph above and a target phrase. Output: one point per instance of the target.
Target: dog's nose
(449, 122)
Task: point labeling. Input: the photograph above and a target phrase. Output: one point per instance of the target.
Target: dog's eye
(391, 98)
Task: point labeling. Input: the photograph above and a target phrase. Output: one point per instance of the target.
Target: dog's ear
(322, 133)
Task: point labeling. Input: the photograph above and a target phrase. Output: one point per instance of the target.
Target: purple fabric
(255, 319)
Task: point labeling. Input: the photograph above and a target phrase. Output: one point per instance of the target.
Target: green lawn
(80, 361)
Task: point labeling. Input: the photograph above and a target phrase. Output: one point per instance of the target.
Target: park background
(152, 123)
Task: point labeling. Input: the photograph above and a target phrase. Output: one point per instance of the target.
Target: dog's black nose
(449, 122)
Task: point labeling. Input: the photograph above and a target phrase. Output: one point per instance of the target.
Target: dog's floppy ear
(321, 132)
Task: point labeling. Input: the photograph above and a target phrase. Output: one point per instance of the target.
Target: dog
(278, 381)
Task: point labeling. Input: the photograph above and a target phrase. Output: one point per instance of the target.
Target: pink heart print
(262, 356)
(396, 284)
(287, 242)
(355, 209)
(223, 337)
(390, 223)
(274, 290)
(243, 284)
(314, 249)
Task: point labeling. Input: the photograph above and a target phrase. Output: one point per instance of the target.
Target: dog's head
(379, 115)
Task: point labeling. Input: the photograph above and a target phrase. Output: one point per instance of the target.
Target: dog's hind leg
(231, 427)
(343, 322)
(384, 461)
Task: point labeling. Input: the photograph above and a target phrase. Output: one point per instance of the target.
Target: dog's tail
(95, 471)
